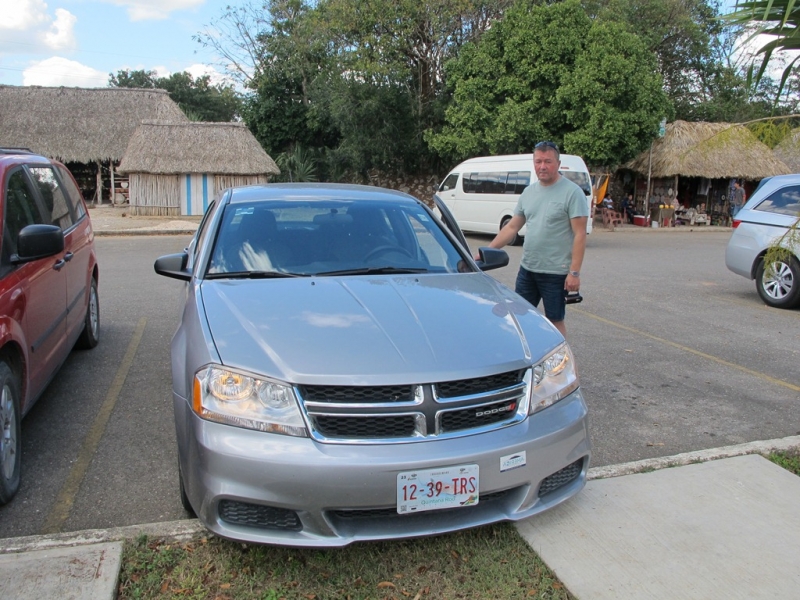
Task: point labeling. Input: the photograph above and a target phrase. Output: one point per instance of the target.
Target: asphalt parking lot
(675, 354)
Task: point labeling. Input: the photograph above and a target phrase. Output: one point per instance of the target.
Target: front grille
(365, 427)
(259, 516)
(353, 394)
(385, 513)
(479, 385)
(396, 413)
(477, 416)
(560, 478)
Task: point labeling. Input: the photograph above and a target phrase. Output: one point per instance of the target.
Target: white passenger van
(483, 192)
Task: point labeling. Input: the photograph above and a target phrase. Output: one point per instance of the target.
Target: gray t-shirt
(548, 211)
(738, 196)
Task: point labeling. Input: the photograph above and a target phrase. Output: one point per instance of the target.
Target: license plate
(434, 489)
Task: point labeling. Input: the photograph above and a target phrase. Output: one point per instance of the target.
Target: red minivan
(48, 289)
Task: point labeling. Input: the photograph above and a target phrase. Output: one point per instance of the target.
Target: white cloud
(61, 35)
(58, 71)
(22, 15)
(198, 70)
(28, 27)
(144, 10)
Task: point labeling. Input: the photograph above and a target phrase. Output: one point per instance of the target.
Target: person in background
(627, 207)
(554, 210)
(737, 199)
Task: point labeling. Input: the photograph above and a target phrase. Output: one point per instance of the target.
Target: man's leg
(526, 286)
(551, 288)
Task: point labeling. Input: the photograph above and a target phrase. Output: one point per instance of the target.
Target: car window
(203, 228)
(20, 211)
(785, 201)
(318, 237)
(449, 183)
(56, 207)
(72, 192)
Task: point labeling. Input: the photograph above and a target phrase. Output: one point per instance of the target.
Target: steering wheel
(381, 250)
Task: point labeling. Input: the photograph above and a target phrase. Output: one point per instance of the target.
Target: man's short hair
(547, 145)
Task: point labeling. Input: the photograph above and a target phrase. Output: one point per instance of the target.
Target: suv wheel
(91, 326)
(781, 288)
(10, 440)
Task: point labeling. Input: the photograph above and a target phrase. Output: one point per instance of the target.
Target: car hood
(367, 330)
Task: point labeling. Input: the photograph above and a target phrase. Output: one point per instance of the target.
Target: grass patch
(488, 562)
(788, 460)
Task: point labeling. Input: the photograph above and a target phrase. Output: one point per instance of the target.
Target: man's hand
(573, 283)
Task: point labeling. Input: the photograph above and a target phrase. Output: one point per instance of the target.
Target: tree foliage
(197, 97)
(550, 72)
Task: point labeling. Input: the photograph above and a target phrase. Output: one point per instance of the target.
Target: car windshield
(330, 237)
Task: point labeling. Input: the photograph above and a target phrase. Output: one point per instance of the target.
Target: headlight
(553, 379)
(233, 398)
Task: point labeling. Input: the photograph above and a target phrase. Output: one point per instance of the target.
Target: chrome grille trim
(339, 422)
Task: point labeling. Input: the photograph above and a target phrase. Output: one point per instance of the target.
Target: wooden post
(113, 186)
(98, 195)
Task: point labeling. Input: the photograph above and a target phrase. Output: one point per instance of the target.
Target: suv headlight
(233, 398)
(553, 379)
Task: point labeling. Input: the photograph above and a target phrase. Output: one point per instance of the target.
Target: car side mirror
(491, 258)
(173, 265)
(38, 241)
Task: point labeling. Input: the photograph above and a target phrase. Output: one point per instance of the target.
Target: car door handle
(59, 264)
(68, 256)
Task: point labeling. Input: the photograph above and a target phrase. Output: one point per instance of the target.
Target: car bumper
(264, 488)
(741, 253)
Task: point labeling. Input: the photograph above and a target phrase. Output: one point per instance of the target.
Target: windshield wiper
(373, 271)
(253, 275)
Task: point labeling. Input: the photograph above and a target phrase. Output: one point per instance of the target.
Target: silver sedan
(343, 370)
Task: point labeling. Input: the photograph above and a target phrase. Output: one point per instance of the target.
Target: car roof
(317, 192)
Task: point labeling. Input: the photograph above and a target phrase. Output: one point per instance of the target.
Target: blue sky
(77, 43)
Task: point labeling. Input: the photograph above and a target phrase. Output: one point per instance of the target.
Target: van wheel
(10, 439)
(90, 335)
(781, 288)
(517, 241)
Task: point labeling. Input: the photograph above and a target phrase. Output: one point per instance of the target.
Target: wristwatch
(575, 273)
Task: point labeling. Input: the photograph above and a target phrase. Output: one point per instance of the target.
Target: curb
(132, 232)
(188, 529)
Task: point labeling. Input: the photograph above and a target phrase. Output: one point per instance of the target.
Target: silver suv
(770, 217)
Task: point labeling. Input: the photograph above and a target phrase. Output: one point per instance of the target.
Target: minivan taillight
(736, 223)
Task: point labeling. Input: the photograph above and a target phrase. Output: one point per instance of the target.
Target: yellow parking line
(66, 497)
(720, 361)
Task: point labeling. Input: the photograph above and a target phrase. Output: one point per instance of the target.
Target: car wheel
(91, 325)
(517, 241)
(781, 287)
(187, 506)
(10, 440)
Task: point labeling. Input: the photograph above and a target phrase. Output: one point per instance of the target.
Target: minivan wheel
(517, 241)
(781, 288)
(90, 335)
(10, 439)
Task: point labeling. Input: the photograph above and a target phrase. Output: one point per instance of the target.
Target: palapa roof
(710, 150)
(175, 148)
(788, 150)
(79, 124)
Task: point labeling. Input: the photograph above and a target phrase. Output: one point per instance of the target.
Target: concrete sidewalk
(721, 523)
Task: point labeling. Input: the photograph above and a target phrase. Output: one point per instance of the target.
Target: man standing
(555, 212)
(737, 201)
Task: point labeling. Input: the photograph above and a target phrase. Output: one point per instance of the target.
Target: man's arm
(507, 233)
(573, 282)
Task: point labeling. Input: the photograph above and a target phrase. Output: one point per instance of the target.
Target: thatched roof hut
(177, 148)
(81, 125)
(709, 150)
(789, 150)
(178, 168)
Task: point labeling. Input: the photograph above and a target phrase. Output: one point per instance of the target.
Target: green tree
(550, 72)
(197, 97)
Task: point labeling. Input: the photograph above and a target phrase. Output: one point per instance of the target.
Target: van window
(581, 179)
(499, 182)
(449, 183)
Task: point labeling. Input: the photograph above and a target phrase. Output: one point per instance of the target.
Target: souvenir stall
(686, 177)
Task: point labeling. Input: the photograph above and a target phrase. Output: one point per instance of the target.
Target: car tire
(10, 439)
(517, 241)
(782, 288)
(90, 335)
(187, 506)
